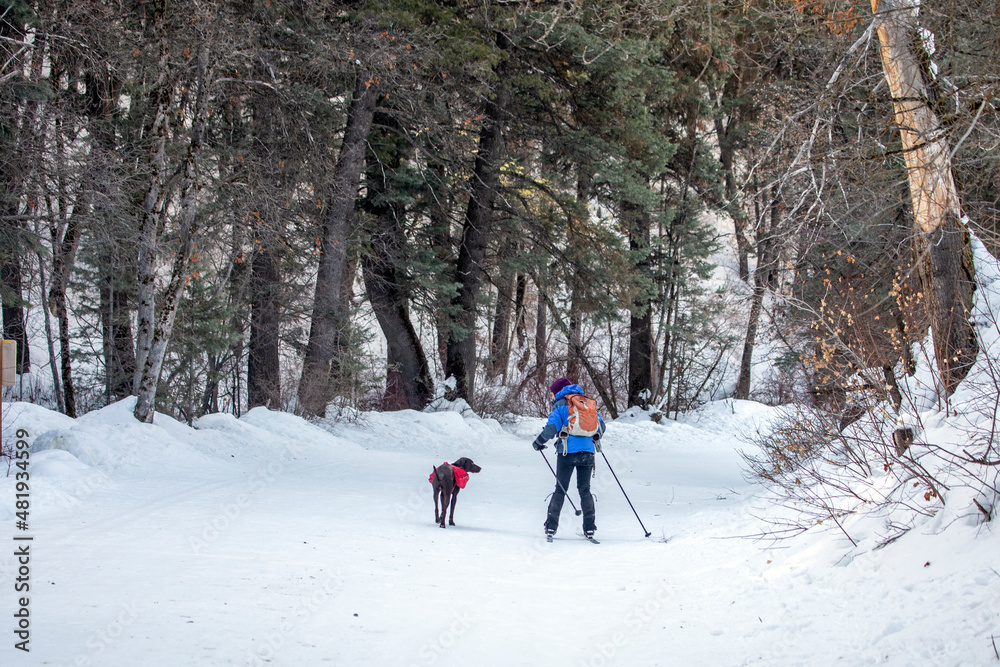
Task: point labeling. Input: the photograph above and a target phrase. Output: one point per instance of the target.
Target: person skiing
(576, 452)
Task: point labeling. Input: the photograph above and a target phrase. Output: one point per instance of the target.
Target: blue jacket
(559, 419)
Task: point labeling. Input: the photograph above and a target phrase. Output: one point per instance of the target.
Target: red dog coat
(461, 477)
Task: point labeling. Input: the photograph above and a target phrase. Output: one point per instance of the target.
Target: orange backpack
(582, 415)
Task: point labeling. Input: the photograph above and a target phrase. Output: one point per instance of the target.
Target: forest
(323, 206)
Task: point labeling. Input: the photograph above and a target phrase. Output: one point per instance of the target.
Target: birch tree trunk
(152, 208)
(153, 363)
(321, 365)
(943, 248)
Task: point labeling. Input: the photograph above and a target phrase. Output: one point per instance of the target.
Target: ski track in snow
(267, 540)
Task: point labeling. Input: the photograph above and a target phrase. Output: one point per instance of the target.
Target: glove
(539, 445)
(597, 442)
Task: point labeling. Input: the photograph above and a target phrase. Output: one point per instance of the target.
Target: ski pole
(578, 512)
(623, 492)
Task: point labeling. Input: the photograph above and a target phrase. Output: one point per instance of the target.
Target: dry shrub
(821, 470)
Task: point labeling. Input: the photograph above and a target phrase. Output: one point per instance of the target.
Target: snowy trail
(281, 545)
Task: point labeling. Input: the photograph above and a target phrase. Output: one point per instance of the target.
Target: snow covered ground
(268, 540)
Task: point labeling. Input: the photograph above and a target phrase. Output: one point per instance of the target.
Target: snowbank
(271, 540)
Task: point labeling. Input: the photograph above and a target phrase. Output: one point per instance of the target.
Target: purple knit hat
(559, 385)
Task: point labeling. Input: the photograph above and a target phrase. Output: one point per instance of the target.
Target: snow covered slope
(268, 540)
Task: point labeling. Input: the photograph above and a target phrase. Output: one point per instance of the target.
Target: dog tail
(443, 474)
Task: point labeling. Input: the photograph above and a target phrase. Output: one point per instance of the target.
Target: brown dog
(446, 484)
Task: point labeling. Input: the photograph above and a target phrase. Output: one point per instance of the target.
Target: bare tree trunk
(63, 257)
(65, 238)
(49, 342)
(157, 349)
(10, 271)
(670, 345)
(640, 359)
(13, 32)
(761, 280)
(322, 363)
(264, 285)
(13, 311)
(263, 360)
(578, 220)
(442, 245)
(520, 321)
(500, 345)
(412, 384)
(575, 325)
(669, 308)
(942, 240)
(210, 396)
(229, 363)
(727, 154)
(541, 336)
(408, 380)
(152, 209)
(116, 324)
(640, 349)
(103, 89)
(461, 357)
(746, 362)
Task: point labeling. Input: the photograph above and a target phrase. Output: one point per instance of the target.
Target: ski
(549, 538)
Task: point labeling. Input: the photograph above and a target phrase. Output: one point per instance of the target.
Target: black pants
(583, 463)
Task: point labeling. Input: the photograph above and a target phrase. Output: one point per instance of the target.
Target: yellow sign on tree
(8, 353)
